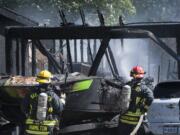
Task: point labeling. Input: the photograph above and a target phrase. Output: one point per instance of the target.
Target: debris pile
(20, 81)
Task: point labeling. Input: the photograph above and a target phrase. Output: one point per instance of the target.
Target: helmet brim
(139, 76)
(42, 80)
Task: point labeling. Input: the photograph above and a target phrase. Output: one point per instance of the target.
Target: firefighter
(141, 99)
(42, 107)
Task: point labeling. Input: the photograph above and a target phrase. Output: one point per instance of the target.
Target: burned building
(82, 50)
(10, 18)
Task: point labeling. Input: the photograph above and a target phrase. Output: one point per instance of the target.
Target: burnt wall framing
(16, 51)
(10, 18)
(86, 32)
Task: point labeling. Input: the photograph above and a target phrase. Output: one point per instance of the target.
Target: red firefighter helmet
(137, 72)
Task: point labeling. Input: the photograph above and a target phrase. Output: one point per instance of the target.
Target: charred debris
(21, 36)
(103, 97)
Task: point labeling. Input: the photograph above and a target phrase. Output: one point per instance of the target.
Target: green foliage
(157, 10)
(138, 10)
(111, 8)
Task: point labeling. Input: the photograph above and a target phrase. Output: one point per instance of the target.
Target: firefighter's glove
(144, 108)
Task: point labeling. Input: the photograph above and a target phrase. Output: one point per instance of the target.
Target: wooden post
(33, 58)
(23, 56)
(69, 55)
(52, 51)
(94, 48)
(168, 70)
(17, 57)
(81, 50)
(89, 52)
(75, 50)
(61, 55)
(178, 53)
(8, 50)
(159, 73)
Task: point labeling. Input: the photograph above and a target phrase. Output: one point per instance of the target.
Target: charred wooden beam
(63, 18)
(178, 53)
(82, 50)
(61, 46)
(61, 55)
(17, 57)
(67, 24)
(112, 60)
(82, 17)
(79, 32)
(121, 23)
(52, 51)
(95, 32)
(94, 48)
(101, 18)
(43, 50)
(102, 49)
(69, 55)
(109, 63)
(23, 56)
(109, 54)
(159, 73)
(8, 50)
(54, 48)
(89, 52)
(33, 58)
(75, 50)
(161, 44)
(16, 17)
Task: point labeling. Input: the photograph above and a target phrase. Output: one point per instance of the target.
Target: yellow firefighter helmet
(44, 77)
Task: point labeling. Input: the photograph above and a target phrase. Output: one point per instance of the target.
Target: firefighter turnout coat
(54, 108)
(141, 99)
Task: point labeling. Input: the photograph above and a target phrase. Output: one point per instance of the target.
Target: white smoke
(131, 53)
